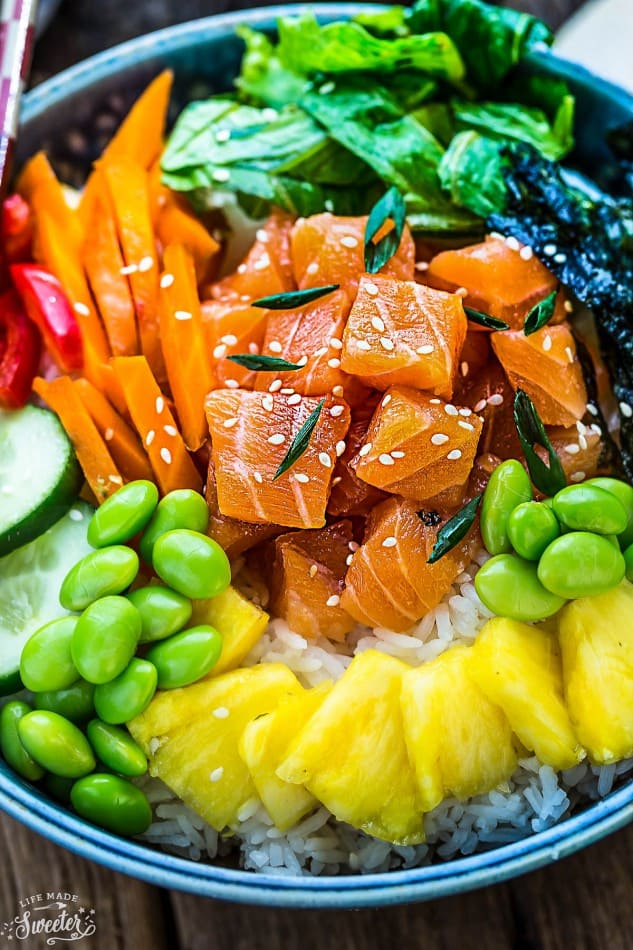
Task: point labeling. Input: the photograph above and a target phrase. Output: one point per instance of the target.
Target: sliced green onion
(455, 529)
(540, 314)
(549, 479)
(262, 364)
(390, 207)
(485, 320)
(300, 442)
(294, 298)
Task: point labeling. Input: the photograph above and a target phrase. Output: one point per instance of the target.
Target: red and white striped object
(17, 21)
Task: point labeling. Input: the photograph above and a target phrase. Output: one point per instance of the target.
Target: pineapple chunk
(240, 622)
(191, 736)
(263, 746)
(352, 756)
(518, 667)
(596, 639)
(459, 742)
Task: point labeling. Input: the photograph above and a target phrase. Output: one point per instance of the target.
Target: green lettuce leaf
(263, 80)
(521, 123)
(471, 171)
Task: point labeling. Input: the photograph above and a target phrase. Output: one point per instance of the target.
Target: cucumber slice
(39, 474)
(30, 579)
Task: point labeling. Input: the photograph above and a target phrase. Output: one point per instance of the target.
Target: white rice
(533, 799)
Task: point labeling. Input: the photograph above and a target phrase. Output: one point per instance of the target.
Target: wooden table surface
(582, 903)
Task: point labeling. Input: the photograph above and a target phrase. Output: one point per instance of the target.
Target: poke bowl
(528, 811)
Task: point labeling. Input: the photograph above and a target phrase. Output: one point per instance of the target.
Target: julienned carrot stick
(122, 441)
(184, 345)
(155, 425)
(127, 184)
(98, 465)
(38, 184)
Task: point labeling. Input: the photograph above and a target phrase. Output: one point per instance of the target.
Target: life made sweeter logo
(60, 917)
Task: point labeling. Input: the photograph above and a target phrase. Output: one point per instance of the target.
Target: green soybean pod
(509, 486)
(113, 803)
(11, 745)
(123, 514)
(105, 639)
(163, 611)
(192, 564)
(624, 493)
(509, 586)
(99, 574)
(128, 694)
(116, 748)
(581, 564)
(76, 702)
(531, 527)
(186, 657)
(182, 508)
(628, 562)
(46, 661)
(56, 744)
(588, 508)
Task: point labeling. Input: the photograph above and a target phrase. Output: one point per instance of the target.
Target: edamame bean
(117, 749)
(509, 586)
(580, 564)
(587, 508)
(624, 493)
(628, 562)
(128, 694)
(123, 514)
(113, 803)
(163, 611)
(46, 662)
(56, 744)
(509, 486)
(11, 745)
(531, 527)
(99, 574)
(75, 703)
(183, 508)
(186, 657)
(192, 563)
(105, 639)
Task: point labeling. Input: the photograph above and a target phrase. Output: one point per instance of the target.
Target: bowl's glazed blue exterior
(207, 50)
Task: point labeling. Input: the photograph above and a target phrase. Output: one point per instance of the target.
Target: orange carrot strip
(128, 189)
(98, 465)
(38, 184)
(172, 464)
(122, 440)
(184, 345)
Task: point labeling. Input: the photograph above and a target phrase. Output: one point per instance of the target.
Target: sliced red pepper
(17, 229)
(19, 352)
(49, 308)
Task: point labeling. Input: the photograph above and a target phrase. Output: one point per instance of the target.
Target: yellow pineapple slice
(240, 621)
(596, 639)
(263, 746)
(459, 742)
(352, 755)
(191, 737)
(518, 667)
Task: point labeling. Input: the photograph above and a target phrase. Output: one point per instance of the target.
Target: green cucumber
(39, 475)
(30, 579)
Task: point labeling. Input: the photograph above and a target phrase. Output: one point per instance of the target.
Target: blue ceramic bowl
(207, 50)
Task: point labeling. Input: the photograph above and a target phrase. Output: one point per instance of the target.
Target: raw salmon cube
(266, 269)
(308, 578)
(231, 328)
(579, 449)
(330, 250)
(350, 495)
(489, 394)
(251, 434)
(233, 535)
(389, 582)
(419, 446)
(404, 333)
(545, 365)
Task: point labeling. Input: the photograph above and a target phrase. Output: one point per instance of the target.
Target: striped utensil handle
(17, 20)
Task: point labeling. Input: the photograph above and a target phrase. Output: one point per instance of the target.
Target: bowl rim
(26, 804)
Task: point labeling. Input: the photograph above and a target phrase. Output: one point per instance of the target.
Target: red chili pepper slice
(19, 352)
(49, 308)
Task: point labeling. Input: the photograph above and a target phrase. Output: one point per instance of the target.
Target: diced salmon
(404, 333)
(308, 578)
(544, 364)
(579, 449)
(251, 433)
(389, 582)
(330, 250)
(474, 356)
(350, 495)
(267, 268)
(420, 447)
(489, 394)
(234, 536)
(503, 282)
(231, 328)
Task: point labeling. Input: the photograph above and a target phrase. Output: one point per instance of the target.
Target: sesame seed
(454, 455)
(595, 429)
(349, 241)
(253, 348)
(128, 269)
(333, 601)
(549, 250)
(166, 281)
(560, 258)
(390, 542)
(149, 438)
(512, 243)
(241, 269)
(569, 354)
(230, 339)
(82, 309)
(386, 343)
(219, 352)
(320, 352)
(270, 115)
(173, 431)
(340, 448)
(450, 410)
(278, 438)
(183, 315)
(108, 435)
(302, 361)
(145, 264)
(229, 423)
(353, 546)
(302, 478)
(365, 450)
(547, 344)
(217, 774)
(268, 402)
(337, 391)
(220, 174)
(312, 268)
(337, 411)
(262, 263)
(435, 402)
(378, 324)
(577, 477)
(160, 404)
(262, 236)
(334, 363)
(349, 559)
(480, 405)
(581, 426)
(325, 460)
(592, 409)
(385, 459)
(275, 346)
(495, 400)
(425, 349)
(568, 306)
(223, 135)
(115, 479)
(313, 570)
(165, 454)
(465, 425)
(422, 266)
(336, 481)
(371, 289)
(526, 253)
(626, 410)
(363, 345)
(326, 88)
(75, 515)
(258, 477)
(336, 344)
(231, 384)
(439, 438)
(462, 292)
(397, 454)
(582, 442)
(221, 712)
(275, 386)
(465, 412)
(294, 400)
(464, 368)
(572, 448)
(287, 391)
